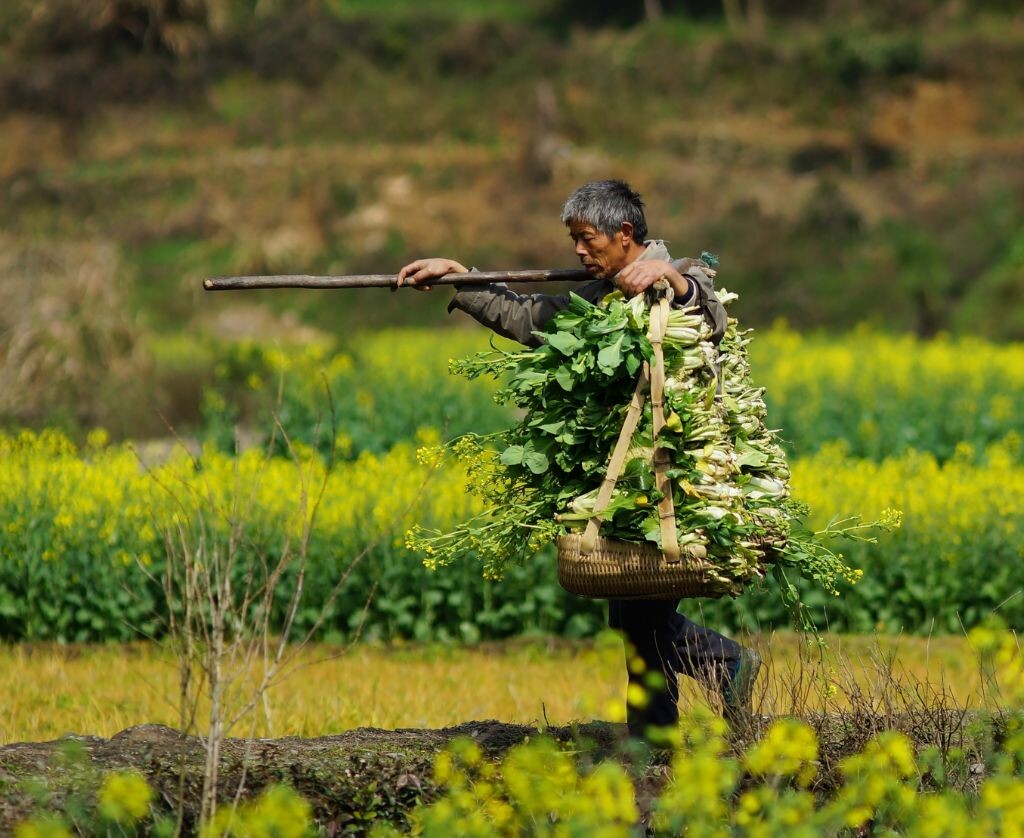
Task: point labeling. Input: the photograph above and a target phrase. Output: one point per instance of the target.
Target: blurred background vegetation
(850, 162)
(856, 165)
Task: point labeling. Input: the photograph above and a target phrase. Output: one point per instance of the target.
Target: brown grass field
(100, 690)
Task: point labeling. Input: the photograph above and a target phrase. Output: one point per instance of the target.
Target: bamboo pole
(249, 283)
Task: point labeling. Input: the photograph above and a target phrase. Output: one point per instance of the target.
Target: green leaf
(564, 342)
(582, 362)
(527, 379)
(578, 305)
(563, 375)
(566, 320)
(526, 455)
(615, 321)
(752, 459)
(536, 462)
(513, 455)
(609, 358)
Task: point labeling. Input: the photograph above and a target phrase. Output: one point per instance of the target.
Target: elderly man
(607, 226)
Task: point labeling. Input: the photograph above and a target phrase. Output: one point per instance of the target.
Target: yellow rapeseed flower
(124, 797)
(43, 826)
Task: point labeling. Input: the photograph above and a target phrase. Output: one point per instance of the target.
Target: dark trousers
(670, 645)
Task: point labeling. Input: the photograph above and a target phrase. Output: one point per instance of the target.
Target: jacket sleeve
(512, 315)
(714, 311)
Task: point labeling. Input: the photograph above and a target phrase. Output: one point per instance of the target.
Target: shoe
(737, 688)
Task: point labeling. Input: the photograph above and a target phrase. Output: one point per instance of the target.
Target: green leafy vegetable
(539, 479)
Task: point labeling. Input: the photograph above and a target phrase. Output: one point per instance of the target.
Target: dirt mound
(363, 776)
(351, 778)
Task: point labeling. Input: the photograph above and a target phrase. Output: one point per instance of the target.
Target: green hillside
(848, 162)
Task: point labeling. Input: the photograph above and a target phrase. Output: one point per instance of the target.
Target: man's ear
(627, 232)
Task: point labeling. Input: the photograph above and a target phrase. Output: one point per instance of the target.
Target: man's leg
(702, 654)
(669, 643)
(720, 664)
(647, 627)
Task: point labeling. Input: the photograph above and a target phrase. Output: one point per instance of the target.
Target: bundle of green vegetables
(539, 479)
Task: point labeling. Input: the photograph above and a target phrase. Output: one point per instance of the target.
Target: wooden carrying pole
(251, 283)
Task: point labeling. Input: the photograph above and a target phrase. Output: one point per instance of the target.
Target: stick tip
(208, 284)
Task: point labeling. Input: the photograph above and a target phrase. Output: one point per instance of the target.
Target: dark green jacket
(518, 316)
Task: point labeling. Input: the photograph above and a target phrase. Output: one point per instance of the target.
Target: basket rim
(570, 542)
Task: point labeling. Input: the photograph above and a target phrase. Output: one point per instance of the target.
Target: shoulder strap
(604, 494)
(653, 377)
(666, 508)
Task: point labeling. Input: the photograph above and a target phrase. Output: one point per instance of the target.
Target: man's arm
(518, 316)
(511, 315)
(707, 299)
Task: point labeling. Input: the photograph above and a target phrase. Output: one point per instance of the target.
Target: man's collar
(655, 249)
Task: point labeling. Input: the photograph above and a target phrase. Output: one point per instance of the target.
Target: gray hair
(604, 205)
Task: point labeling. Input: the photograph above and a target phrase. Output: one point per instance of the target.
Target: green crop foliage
(82, 547)
(83, 528)
(882, 394)
(872, 421)
(885, 394)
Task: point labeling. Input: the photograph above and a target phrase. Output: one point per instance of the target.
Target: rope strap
(604, 494)
(654, 378)
(666, 509)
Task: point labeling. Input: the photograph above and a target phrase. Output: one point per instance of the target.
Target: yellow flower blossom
(279, 812)
(788, 749)
(124, 797)
(43, 826)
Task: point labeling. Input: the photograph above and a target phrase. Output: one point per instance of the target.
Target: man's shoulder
(688, 264)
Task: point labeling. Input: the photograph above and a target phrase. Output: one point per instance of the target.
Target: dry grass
(100, 690)
(67, 345)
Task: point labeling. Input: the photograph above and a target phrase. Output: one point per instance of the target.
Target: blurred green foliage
(81, 526)
(341, 137)
(379, 391)
(880, 394)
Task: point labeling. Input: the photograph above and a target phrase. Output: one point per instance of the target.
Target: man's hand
(640, 275)
(423, 270)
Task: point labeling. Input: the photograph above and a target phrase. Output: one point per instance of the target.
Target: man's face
(602, 256)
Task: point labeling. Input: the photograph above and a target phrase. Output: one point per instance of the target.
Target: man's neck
(634, 253)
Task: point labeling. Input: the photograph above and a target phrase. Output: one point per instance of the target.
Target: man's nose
(580, 249)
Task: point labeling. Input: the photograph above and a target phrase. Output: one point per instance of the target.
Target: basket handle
(666, 508)
(654, 378)
(611, 477)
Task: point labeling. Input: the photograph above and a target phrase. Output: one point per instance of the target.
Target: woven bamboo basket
(630, 570)
(617, 569)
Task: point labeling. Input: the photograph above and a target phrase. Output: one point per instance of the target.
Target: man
(606, 223)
